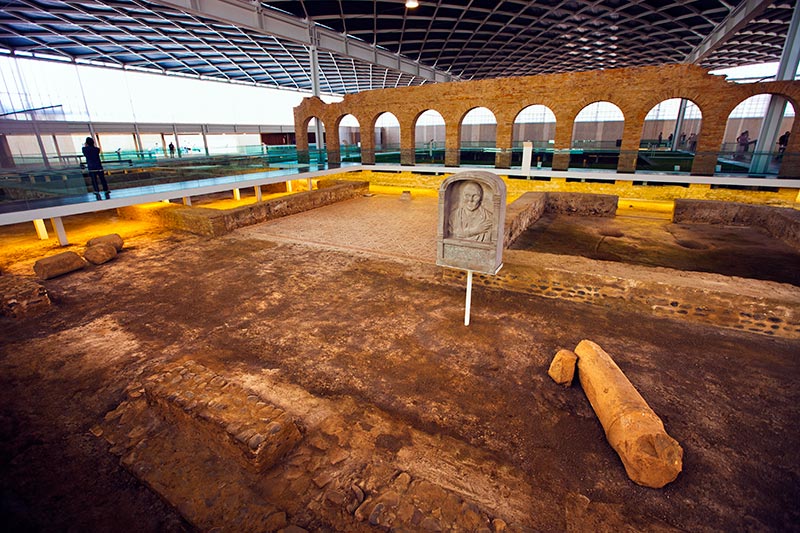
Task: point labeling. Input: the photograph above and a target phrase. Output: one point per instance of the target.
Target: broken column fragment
(562, 369)
(651, 457)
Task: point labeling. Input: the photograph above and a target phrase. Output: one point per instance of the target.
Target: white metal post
(468, 303)
(58, 226)
(41, 229)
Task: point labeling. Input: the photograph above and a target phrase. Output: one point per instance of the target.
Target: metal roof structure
(373, 44)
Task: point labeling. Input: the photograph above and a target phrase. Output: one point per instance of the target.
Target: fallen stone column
(650, 456)
(56, 265)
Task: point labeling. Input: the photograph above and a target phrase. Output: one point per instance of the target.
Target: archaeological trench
(276, 367)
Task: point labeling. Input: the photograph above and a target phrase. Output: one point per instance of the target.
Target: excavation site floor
(340, 316)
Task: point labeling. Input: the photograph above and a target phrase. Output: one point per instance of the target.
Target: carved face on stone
(472, 195)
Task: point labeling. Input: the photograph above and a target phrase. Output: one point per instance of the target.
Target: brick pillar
(368, 144)
(502, 159)
(301, 140)
(505, 137)
(407, 138)
(332, 146)
(452, 143)
(561, 144)
(629, 149)
(561, 161)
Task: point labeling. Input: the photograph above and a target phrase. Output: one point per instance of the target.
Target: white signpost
(471, 230)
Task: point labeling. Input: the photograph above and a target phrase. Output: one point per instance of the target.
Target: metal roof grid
(469, 39)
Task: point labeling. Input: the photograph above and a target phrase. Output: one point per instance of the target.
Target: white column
(770, 128)
(58, 226)
(177, 144)
(676, 135)
(41, 229)
(310, 185)
(204, 132)
(187, 200)
(236, 194)
(258, 192)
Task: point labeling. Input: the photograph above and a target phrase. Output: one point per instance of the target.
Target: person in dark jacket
(95, 166)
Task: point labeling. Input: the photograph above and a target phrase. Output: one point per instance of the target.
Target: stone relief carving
(469, 219)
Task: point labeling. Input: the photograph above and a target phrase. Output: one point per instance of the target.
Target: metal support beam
(676, 139)
(735, 21)
(253, 16)
(41, 229)
(58, 226)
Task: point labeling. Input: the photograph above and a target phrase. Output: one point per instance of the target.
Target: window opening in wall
(670, 136)
(739, 148)
(478, 138)
(387, 139)
(597, 137)
(535, 124)
(350, 139)
(429, 138)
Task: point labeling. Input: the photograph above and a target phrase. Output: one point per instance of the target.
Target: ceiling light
(411, 4)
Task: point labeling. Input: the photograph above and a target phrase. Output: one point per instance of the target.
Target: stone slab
(57, 265)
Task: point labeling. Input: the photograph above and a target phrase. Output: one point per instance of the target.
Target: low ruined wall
(521, 213)
(215, 222)
(529, 207)
(782, 223)
(750, 305)
(570, 203)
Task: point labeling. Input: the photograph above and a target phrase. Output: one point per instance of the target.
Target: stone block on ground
(100, 253)
(56, 265)
(20, 297)
(651, 457)
(113, 239)
(234, 421)
(562, 369)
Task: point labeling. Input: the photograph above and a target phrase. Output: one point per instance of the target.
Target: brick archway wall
(634, 90)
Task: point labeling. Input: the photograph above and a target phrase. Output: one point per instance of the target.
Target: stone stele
(472, 213)
(562, 369)
(650, 456)
(100, 253)
(113, 239)
(56, 265)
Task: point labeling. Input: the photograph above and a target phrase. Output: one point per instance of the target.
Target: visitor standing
(95, 167)
(783, 141)
(171, 150)
(742, 143)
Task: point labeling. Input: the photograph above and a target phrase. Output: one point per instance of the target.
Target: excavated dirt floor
(376, 342)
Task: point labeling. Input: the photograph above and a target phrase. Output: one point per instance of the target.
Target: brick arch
(634, 90)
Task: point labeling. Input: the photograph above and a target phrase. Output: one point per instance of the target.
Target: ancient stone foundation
(780, 222)
(21, 297)
(231, 459)
(236, 423)
(216, 222)
(528, 208)
(757, 306)
(651, 457)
